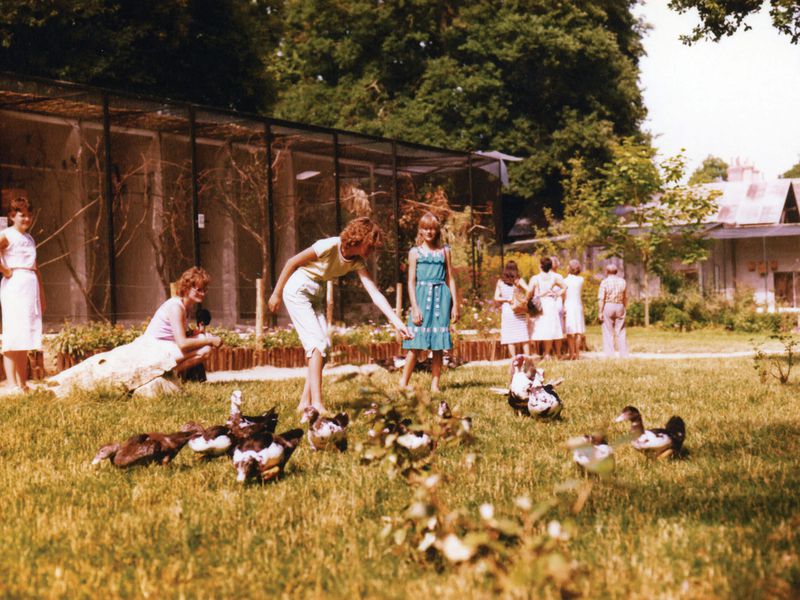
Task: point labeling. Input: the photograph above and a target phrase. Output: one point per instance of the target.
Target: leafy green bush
(675, 318)
(280, 338)
(80, 340)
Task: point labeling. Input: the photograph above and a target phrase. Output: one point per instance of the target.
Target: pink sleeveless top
(159, 327)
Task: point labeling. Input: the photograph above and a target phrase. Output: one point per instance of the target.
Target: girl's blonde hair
(429, 220)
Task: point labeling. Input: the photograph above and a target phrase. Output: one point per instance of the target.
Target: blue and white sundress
(434, 301)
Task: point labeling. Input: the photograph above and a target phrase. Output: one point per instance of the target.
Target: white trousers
(299, 295)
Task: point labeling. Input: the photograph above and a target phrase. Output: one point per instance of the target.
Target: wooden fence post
(329, 302)
(260, 314)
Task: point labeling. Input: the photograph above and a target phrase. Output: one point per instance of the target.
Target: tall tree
(638, 209)
(544, 80)
(207, 51)
(721, 18)
(712, 169)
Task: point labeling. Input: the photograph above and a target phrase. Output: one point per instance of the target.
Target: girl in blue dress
(432, 291)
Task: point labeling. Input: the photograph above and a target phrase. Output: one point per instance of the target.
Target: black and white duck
(264, 455)
(212, 441)
(242, 425)
(418, 443)
(592, 453)
(528, 394)
(326, 433)
(543, 401)
(656, 443)
(146, 448)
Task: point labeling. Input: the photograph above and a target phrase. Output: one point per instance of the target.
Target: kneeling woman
(169, 325)
(164, 347)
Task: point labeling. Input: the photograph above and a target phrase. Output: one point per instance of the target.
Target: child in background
(300, 283)
(432, 292)
(514, 326)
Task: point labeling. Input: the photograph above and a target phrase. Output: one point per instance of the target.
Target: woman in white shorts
(299, 286)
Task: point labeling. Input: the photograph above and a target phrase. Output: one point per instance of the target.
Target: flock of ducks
(529, 395)
(257, 452)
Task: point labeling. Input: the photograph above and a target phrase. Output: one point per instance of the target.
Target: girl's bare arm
(382, 303)
(298, 260)
(451, 282)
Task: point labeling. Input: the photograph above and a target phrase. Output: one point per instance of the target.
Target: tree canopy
(722, 18)
(712, 169)
(793, 172)
(206, 51)
(540, 79)
(545, 80)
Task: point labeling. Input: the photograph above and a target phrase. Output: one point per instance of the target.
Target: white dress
(19, 294)
(513, 327)
(573, 305)
(547, 326)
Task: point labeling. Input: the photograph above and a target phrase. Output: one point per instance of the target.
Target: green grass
(724, 522)
(655, 340)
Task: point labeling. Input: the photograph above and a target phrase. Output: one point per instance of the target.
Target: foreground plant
(778, 365)
(519, 553)
(405, 428)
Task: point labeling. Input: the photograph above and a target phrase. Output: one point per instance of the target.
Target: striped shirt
(612, 290)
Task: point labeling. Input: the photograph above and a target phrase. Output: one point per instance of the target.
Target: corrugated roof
(752, 202)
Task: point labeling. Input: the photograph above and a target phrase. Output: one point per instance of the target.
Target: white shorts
(299, 296)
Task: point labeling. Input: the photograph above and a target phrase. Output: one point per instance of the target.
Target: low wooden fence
(237, 359)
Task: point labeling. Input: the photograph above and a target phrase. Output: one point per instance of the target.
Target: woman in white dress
(21, 295)
(514, 328)
(547, 286)
(575, 323)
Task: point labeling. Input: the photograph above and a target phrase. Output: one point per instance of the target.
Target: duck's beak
(621, 418)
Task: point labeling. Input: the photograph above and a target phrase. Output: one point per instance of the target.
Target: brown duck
(146, 448)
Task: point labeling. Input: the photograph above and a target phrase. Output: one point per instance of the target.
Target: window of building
(787, 288)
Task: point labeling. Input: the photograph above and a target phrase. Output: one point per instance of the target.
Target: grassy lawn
(723, 523)
(657, 340)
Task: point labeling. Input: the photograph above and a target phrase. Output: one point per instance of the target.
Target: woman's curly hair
(193, 278)
(362, 229)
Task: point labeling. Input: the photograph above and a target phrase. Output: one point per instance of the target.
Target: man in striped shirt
(612, 299)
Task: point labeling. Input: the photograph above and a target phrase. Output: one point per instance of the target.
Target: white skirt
(547, 326)
(22, 313)
(574, 319)
(513, 327)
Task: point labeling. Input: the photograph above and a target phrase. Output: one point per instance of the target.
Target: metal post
(499, 216)
(766, 274)
(337, 201)
(396, 204)
(270, 215)
(108, 198)
(472, 227)
(195, 188)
